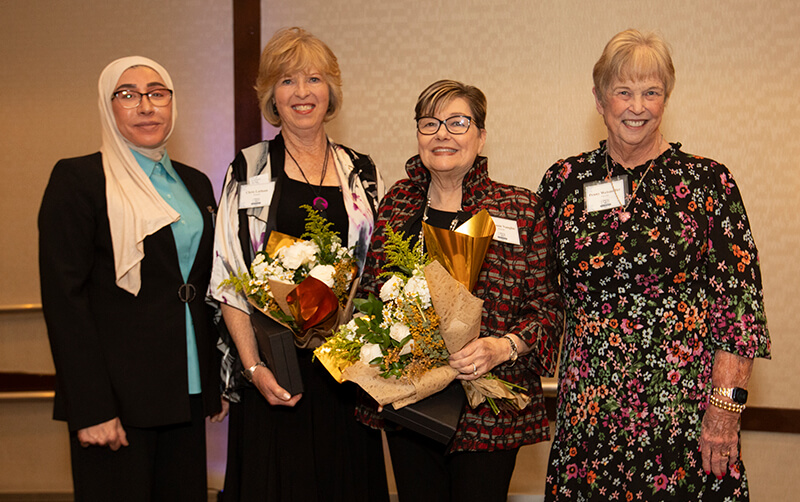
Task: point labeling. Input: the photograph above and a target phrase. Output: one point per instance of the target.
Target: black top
(290, 218)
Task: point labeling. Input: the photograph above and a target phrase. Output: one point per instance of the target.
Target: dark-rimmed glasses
(458, 124)
(132, 99)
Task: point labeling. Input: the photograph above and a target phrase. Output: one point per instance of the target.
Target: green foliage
(370, 306)
(400, 256)
(344, 349)
(318, 229)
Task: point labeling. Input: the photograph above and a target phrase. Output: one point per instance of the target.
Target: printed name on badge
(255, 195)
(602, 195)
(506, 230)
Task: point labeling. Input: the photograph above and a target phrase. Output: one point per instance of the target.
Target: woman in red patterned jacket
(522, 317)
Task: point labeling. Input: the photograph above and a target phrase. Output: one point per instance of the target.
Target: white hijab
(135, 208)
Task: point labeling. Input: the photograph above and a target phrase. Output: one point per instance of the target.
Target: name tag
(255, 194)
(602, 195)
(506, 230)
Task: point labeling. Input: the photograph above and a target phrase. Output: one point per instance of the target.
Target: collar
(476, 178)
(147, 164)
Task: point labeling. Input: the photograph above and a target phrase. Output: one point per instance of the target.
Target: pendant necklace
(453, 224)
(623, 214)
(319, 203)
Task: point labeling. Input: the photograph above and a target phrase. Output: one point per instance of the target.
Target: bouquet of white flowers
(398, 350)
(306, 285)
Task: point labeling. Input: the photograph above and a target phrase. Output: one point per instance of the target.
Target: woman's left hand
(719, 440)
(479, 357)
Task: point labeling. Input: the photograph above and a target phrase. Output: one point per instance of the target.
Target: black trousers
(424, 473)
(160, 464)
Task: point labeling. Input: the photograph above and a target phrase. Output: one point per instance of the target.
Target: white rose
(417, 288)
(407, 348)
(298, 254)
(399, 331)
(369, 351)
(391, 289)
(324, 273)
(259, 267)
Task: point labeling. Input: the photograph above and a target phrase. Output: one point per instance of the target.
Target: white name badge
(255, 195)
(506, 230)
(602, 195)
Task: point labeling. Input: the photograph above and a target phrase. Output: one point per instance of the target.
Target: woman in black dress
(306, 447)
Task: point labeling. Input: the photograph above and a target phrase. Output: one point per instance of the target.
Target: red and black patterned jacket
(517, 284)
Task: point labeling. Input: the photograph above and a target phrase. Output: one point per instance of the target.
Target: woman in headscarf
(125, 237)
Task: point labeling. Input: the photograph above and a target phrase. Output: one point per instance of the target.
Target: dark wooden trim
(771, 420)
(246, 55)
(26, 382)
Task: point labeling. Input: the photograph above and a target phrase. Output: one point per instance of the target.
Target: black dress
(315, 451)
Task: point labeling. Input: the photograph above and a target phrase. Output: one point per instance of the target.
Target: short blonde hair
(630, 55)
(441, 92)
(291, 50)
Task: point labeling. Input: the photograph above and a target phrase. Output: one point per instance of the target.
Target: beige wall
(735, 100)
(738, 69)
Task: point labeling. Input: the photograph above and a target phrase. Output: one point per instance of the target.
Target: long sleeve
(541, 315)
(68, 220)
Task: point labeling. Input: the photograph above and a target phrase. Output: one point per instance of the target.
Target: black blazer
(117, 354)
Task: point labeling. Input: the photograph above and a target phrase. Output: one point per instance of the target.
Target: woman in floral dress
(665, 314)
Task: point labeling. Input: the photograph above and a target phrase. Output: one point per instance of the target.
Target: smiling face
(451, 155)
(302, 101)
(632, 111)
(145, 126)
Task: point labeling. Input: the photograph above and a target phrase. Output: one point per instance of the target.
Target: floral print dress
(650, 296)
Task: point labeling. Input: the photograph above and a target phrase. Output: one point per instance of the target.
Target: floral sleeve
(738, 322)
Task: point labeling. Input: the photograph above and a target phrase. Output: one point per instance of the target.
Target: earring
(274, 108)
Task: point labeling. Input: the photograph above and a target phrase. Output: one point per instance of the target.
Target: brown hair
(630, 55)
(291, 50)
(441, 92)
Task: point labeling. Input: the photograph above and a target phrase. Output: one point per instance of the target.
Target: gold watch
(514, 354)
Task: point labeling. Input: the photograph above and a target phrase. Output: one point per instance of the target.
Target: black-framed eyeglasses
(132, 99)
(458, 124)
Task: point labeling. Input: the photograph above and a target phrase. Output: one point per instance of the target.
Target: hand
(275, 395)
(109, 434)
(226, 406)
(479, 357)
(719, 440)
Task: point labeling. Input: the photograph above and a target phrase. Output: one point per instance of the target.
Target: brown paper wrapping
(383, 390)
(459, 311)
(280, 290)
(460, 323)
(478, 390)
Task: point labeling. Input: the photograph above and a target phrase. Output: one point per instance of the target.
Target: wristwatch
(738, 394)
(248, 373)
(514, 354)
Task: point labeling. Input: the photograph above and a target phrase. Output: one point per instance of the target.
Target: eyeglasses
(132, 99)
(458, 124)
